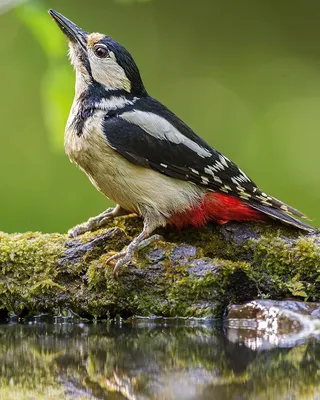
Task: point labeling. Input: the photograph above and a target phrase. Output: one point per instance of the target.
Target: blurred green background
(245, 75)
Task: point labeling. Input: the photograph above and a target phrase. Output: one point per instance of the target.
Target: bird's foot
(97, 222)
(125, 256)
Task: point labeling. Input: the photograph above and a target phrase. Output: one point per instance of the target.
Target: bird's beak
(71, 30)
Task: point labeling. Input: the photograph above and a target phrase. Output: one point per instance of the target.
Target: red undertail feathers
(221, 208)
(217, 207)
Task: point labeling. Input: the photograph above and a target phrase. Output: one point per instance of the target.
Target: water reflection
(144, 360)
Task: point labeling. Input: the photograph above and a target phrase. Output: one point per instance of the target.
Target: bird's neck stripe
(106, 104)
(114, 103)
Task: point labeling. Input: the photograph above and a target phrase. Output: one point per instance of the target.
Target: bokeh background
(245, 75)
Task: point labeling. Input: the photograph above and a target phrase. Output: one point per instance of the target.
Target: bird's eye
(101, 51)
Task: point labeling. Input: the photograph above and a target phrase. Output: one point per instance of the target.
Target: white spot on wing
(223, 160)
(213, 168)
(161, 129)
(218, 166)
(234, 180)
(244, 195)
(244, 176)
(194, 171)
(208, 171)
(239, 179)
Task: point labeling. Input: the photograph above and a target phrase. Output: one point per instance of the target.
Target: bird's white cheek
(109, 73)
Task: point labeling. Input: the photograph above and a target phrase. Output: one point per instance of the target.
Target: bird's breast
(108, 171)
(89, 149)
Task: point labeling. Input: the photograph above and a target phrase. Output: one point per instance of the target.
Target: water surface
(146, 359)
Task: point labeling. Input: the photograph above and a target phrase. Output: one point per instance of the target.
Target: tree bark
(194, 272)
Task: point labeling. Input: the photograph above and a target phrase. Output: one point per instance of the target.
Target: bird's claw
(77, 231)
(92, 224)
(125, 256)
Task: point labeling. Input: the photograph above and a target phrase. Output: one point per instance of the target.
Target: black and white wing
(150, 135)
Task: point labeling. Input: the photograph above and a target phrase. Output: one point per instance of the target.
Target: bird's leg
(139, 242)
(97, 222)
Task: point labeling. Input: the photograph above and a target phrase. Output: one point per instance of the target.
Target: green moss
(36, 274)
(212, 292)
(46, 286)
(28, 265)
(287, 267)
(31, 248)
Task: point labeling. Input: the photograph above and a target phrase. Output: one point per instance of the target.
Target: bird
(142, 156)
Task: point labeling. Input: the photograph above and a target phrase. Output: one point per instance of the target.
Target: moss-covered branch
(192, 273)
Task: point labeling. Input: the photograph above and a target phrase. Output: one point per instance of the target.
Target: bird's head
(99, 59)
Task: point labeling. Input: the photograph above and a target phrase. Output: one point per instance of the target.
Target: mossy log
(194, 272)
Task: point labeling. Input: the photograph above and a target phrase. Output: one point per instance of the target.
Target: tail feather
(279, 211)
(284, 207)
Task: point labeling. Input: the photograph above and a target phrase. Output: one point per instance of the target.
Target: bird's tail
(277, 210)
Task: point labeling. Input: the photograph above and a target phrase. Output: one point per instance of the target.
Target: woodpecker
(142, 156)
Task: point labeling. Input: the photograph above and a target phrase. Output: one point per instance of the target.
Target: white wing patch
(161, 129)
